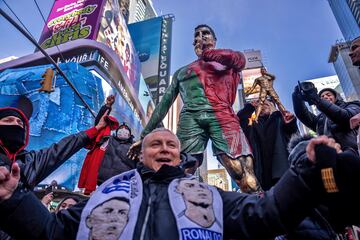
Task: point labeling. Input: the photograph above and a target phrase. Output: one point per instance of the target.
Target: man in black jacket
(158, 201)
(333, 121)
(268, 138)
(35, 165)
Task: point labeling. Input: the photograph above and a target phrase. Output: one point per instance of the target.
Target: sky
(294, 36)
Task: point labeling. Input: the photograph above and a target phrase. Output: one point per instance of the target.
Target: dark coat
(268, 139)
(245, 216)
(115, 160)
(35, 166)
(333, 121)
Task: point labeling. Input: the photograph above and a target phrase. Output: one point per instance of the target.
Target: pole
(31, 39)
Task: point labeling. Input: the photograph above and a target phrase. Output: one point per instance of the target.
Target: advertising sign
(114, 33)
(253, 59)
(249, 76)
(58, 114)
(218, 178)
(152, 40)
(70, 20)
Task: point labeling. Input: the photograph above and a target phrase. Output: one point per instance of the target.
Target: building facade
(348, 74)
(346, 13)
(140, 10)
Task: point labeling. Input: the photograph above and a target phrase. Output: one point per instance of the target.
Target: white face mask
(123, 133)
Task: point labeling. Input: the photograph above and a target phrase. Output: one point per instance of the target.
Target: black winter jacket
(268, 139)
(35, 166)
(245, 216)
(333, 120)
(115, 160)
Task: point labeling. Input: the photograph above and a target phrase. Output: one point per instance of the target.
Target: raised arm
(227, 57)
(302, 112)
(337, 114)
(163, 107)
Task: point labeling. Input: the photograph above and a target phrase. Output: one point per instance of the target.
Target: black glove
(310, 96)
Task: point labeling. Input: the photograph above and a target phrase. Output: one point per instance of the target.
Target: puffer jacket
(333, 120)
(245, 216)
(35, 166)
(115, 160)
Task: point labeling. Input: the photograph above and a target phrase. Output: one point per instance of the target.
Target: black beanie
(330, 90)
(11, 112)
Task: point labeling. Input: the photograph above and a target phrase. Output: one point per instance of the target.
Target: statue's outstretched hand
(134, 151)
(8, 181)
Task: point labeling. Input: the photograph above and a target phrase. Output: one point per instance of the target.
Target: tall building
(140, 10)
(346, 13)
(349, 75)
(355, 9)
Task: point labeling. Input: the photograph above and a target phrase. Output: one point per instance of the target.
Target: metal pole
(18, 27)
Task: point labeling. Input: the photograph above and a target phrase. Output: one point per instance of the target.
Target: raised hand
(110, 100)
(8, 181)
(310, 148)
(355, 121)
(102, 123)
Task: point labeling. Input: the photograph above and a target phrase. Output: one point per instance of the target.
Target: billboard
(253, 59)
(113, 32)
(70, 20)
(100, 20)
(152, 40)
(248, 78)
(58, 114)
(218, 178)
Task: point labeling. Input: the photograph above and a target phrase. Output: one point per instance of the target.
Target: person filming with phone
(334, 116)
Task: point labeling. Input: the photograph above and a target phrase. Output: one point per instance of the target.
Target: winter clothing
(333, 120)
(244, 216)
(37, 165)
(93, 159)
(268, 139)
(325, 222)
(115, 160)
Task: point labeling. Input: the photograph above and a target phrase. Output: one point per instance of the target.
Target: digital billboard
(248, 78)
(100, 20)
(70, 20)
(58, 114)
(113, 32)
(152, 40)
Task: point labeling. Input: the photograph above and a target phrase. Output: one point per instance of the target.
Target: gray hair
(161, 129)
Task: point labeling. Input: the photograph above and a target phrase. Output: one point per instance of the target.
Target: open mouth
(163, 160)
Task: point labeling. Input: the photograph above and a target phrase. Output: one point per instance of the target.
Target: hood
(27, 131)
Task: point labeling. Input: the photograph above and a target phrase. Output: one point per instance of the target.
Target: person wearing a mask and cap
(335, 113)
(115, 160)
(35, 165)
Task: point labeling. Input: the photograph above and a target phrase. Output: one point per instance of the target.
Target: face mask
(123, 134)
(12, 137)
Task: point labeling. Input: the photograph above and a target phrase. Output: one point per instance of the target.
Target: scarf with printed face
(112, 210)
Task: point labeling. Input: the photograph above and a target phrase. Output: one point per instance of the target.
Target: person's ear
(88, 222)
(141, 157)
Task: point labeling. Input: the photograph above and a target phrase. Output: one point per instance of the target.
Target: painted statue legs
(241, 170)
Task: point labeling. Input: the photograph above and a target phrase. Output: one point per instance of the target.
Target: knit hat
(330, 90)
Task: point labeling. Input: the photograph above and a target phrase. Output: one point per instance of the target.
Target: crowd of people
(292, 186)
